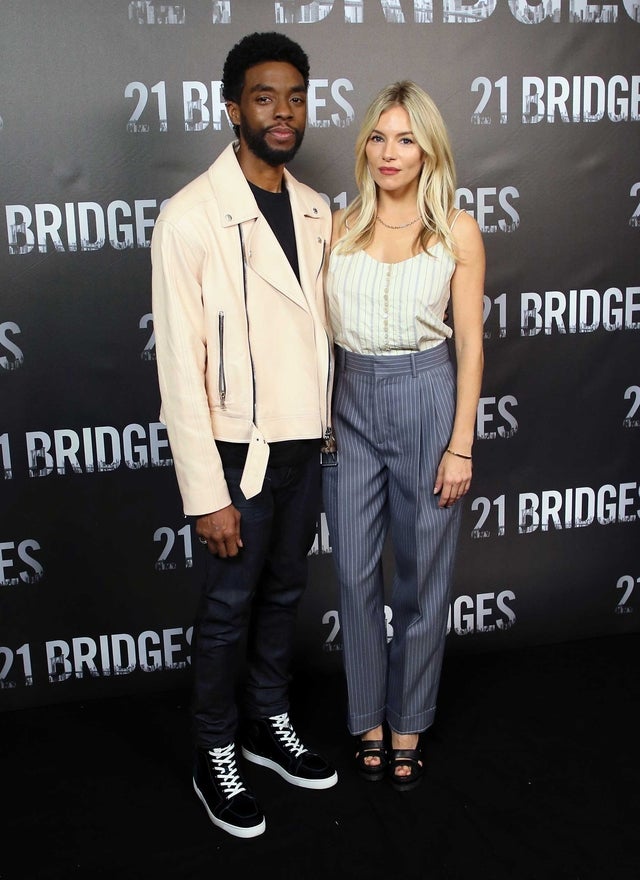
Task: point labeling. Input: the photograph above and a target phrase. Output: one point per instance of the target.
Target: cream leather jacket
(239, 342)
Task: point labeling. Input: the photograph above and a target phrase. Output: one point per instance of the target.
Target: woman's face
(395, 160)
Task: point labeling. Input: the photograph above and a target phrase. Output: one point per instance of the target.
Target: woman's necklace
(402, 225)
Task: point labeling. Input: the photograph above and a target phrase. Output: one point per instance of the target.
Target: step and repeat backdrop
(106, 110)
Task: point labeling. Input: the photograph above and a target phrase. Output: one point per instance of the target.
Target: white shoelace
(286, 734)
(226, 770)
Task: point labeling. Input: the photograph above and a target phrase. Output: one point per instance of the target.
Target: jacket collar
(235, 199)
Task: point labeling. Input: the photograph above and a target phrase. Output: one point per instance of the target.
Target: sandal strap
(404, 756)
(370, 745)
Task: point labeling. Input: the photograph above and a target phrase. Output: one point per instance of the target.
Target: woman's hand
(453, 479)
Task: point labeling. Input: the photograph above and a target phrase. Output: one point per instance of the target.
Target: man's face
(272, 112)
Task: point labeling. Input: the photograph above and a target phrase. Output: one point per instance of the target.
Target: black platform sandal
(405, 758)
(371, 748)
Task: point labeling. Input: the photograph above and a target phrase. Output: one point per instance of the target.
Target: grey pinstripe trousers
(392, 417)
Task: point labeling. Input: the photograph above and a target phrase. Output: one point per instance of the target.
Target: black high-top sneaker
(272, 742)
(218, 784)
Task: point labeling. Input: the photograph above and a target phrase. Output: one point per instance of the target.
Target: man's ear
(233, 112)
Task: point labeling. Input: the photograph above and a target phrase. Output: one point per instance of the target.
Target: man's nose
(283, 108)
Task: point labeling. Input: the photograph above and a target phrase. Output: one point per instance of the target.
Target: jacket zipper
(222, 382)
(329, 440)
(244, 288)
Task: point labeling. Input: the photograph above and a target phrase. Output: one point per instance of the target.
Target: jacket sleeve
(181, 355)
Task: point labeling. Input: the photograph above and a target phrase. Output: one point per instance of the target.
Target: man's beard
(255, 139)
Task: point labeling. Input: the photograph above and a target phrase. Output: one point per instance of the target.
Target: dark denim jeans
(250, 601)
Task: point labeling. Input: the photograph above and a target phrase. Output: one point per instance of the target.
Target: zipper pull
(328, 441)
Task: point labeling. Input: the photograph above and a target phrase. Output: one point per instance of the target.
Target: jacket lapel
(267, 259)
(262, 250)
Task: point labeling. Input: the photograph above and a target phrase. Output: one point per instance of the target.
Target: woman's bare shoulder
(465, 229)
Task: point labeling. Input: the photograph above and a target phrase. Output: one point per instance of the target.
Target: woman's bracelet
(458, 454)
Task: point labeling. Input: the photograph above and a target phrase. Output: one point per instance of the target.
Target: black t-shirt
(276, 209)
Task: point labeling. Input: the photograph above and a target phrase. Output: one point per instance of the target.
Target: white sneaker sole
(300, 781)
(236, 830)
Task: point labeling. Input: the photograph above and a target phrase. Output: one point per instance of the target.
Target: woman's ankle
(374, 733)
(404, 740)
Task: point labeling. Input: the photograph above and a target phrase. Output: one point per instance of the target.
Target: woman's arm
(467, 289)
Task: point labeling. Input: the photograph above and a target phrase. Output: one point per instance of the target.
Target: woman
(403, 418)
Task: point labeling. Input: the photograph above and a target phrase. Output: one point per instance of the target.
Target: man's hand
(220, 531)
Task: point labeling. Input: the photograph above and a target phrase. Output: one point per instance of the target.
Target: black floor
(533, 773)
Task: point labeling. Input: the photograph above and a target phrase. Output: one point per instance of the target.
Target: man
(245, 371)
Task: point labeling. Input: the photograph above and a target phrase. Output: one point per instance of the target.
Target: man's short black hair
(256, 49)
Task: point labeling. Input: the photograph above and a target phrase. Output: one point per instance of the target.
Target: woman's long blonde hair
(437, 184)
